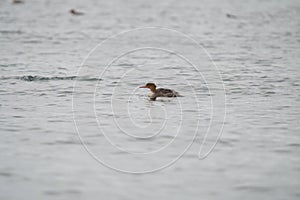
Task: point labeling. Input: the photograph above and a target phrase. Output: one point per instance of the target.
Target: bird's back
(162, 92)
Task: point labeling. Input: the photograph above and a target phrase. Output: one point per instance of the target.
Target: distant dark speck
(231, 16)
(74, 12)
(17, 1)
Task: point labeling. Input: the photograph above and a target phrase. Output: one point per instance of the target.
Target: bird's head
(151, 86)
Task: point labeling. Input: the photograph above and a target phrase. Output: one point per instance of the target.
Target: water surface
(256, 48)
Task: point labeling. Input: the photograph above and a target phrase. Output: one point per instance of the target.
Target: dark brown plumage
(160, 92)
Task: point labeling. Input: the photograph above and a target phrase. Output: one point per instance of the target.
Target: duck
(160, 92)
(74, 12)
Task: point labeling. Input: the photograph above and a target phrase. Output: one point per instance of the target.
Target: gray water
(75, 125)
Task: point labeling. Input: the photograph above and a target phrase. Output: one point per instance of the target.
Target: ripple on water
(6, 174)
(58, 193)
(253, 188)
(49, 78)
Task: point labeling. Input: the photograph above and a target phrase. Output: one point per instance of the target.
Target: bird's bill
(143, 86)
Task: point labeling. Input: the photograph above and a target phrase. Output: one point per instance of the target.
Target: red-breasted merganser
(160, 92)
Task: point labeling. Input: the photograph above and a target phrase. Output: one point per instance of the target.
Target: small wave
(6, 174)
(9, 32)
(53, 78)
(44, 78)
